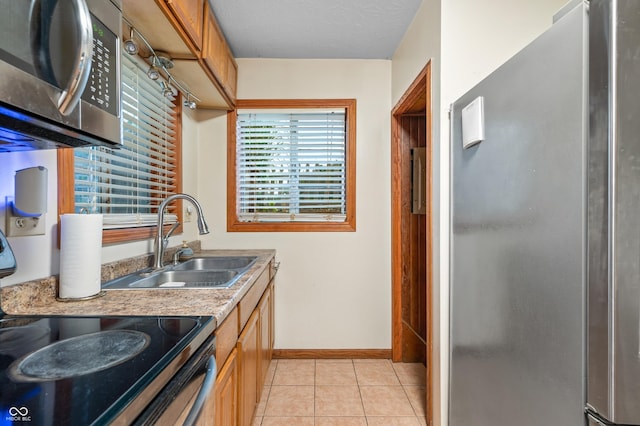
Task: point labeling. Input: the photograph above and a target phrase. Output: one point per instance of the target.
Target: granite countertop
(40, 298)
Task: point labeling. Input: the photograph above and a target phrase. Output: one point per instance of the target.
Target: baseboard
(332, 353)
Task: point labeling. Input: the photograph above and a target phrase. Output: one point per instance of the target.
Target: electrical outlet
(25, 226)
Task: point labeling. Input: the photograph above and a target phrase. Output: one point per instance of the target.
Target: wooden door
(411, 232)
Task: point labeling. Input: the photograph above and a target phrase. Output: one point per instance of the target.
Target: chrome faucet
(160, 242)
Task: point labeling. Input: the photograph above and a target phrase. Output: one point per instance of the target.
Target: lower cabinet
(226, 395)
(245, 352)
(248, 370)
(264, 340)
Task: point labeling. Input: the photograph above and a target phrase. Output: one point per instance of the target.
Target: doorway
(411, 233)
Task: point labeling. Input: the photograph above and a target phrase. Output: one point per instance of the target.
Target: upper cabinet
(217, 55)
(187, 30)
(190, 14)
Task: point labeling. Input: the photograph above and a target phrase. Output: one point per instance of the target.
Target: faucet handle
(173, 228)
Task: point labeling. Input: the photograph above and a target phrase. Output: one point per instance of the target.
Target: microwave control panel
(102, 86)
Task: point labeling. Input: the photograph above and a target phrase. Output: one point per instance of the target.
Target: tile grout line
(358, 384)
(404, 390)
(364, 411)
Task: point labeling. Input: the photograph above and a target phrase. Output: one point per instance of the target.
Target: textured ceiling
(319, 29)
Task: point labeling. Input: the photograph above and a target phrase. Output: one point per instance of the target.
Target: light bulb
(130, 45)
(153, 73)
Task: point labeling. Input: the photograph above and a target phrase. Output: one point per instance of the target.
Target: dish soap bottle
(185, 251)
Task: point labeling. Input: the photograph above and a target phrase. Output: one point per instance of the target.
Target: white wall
(38, 256)
(333, 289)
(421, 45)
(474, 39)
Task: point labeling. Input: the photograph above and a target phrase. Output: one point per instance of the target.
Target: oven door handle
(203, 394)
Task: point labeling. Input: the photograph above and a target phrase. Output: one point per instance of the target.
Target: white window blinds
(126, 185)
(291, 167)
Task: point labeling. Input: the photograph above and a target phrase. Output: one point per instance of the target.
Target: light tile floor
(342, 392)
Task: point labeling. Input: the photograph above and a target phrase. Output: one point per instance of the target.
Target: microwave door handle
(40, 16)
(203, 394)
(70, 96)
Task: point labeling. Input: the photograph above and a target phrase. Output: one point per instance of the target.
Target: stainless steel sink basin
(216, 263)
(191, 279)
(199, 272)
(176, 279)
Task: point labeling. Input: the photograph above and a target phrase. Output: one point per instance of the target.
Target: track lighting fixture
(162, 60)
(159, 65)
(130, 45)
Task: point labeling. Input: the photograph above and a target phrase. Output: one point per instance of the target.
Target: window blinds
(291, 167)
(126, 185)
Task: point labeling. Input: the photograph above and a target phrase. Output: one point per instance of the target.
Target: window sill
(235, 226)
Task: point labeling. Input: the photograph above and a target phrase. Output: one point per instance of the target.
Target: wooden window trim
(66, 192)
(349, 225)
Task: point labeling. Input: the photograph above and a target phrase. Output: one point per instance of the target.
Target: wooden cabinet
(190, 14)
(217, 56)
(244, 346)
(248, 370)
(266, 348)
(231, 82)
(188, 32)
(226, 396)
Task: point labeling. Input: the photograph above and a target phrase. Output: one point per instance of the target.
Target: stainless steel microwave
(59, 73)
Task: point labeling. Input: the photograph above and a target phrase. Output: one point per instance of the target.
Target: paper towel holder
(26, 209)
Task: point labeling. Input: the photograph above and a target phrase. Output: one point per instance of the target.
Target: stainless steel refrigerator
(545, 229)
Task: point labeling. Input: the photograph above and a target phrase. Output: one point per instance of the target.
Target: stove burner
(79, 355)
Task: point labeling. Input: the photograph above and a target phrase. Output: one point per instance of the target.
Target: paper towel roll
(80, 255)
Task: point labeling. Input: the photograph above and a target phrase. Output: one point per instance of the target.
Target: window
(291, 165)
(127, 185)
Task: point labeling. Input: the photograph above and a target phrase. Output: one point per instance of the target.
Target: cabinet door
(217, 55)
(231, 83)
(214, 50)
(272, 325)
(226, 396)
(265, 336)
(190, 14)
(248, 370)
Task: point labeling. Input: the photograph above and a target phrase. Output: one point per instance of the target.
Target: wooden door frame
(418, 92)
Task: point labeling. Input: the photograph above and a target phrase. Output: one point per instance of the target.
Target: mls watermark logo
(18, 414)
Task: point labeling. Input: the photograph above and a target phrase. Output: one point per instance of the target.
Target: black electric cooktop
(87, 370)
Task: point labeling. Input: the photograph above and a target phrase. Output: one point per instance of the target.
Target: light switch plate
(473, 123)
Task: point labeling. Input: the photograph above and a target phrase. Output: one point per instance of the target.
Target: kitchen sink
(175, 279)
(199, 272)
(215, 263)
(224, 278)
